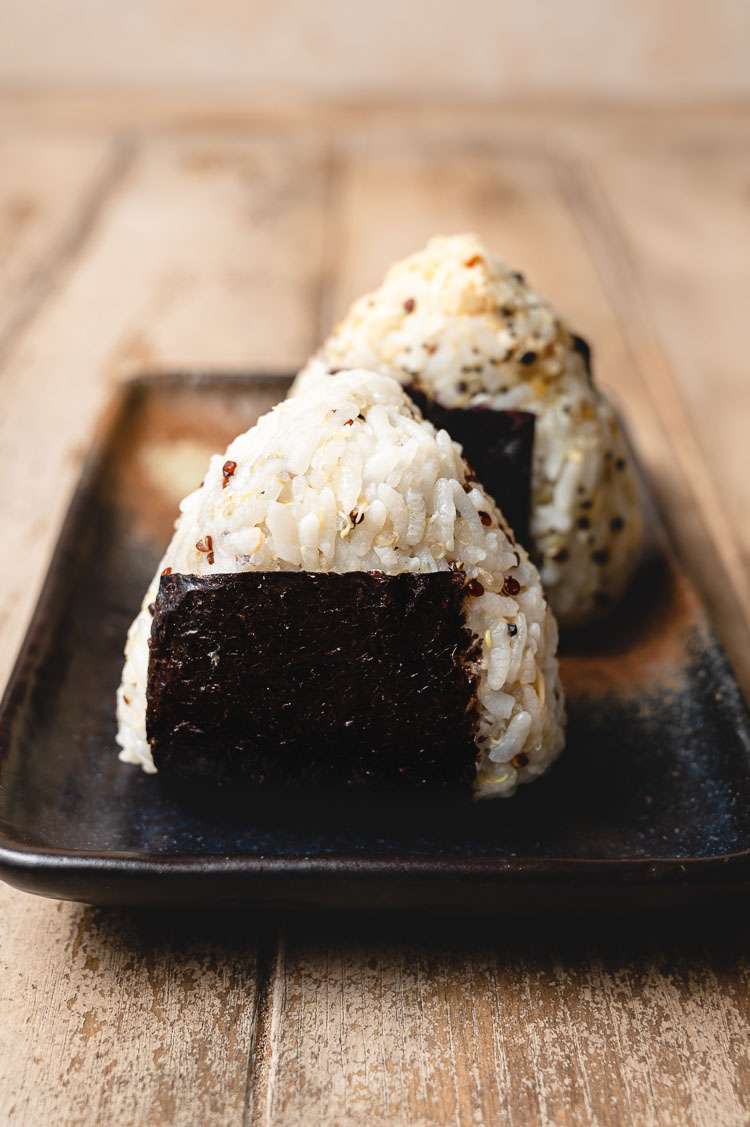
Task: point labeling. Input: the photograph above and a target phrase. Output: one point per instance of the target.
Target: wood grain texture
(123, 1018)
(233, 239)
(519, 1023)
(49, 187)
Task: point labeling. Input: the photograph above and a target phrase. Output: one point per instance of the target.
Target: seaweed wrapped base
(300, 679)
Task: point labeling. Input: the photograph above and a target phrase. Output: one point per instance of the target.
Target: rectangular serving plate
(649, 805)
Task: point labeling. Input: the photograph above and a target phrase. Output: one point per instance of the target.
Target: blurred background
(636, 51)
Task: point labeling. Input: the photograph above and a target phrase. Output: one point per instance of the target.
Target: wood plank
(123, 1017)
(519, 1023)
(49, 187)
(204, 254)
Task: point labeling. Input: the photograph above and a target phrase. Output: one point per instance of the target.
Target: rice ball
(348, 476)
(456, 324)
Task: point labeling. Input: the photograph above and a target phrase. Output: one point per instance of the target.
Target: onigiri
(346, 480)
(467, 334)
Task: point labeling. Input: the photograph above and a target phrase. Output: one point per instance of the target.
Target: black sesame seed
(518, 276)
(586, 504)
(620, 464)
(617, 524)
(584, 522)
(528, 358)
(600, 556)
(512, 629)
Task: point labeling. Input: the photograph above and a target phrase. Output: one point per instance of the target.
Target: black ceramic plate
(649, 805)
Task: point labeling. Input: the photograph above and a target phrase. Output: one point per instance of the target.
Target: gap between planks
(270, 992)
(270, 982)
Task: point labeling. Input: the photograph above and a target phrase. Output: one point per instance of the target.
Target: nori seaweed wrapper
(583, 348)
(303, 678)
(498, 445)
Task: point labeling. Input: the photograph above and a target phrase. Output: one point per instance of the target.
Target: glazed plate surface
(649, 805)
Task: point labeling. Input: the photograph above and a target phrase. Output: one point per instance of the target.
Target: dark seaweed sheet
(299, 679)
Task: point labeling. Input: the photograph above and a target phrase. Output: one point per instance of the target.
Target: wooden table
(162, 234)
